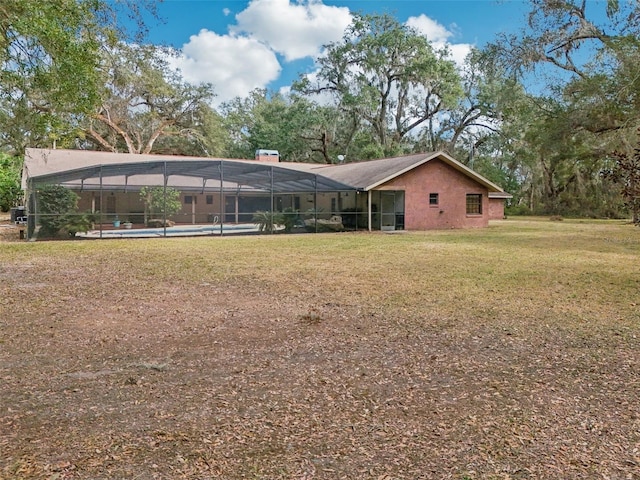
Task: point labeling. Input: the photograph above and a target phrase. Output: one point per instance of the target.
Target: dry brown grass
(508, 352)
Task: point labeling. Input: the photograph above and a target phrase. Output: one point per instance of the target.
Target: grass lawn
(509, 352)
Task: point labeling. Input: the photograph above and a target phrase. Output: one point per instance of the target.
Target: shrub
(517, 210)
(59, 216)
(289, 219)
(267, 221)
(10, 189)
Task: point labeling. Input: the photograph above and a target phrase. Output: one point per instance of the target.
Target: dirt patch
(109, 374)
(9, 232)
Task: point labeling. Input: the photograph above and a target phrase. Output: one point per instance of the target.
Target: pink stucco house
(414, 192)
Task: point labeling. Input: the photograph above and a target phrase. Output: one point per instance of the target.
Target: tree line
(551, 114)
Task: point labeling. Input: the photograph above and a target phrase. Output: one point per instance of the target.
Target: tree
(388, 75)
(10, 189)
(331, 132)
(592, 65)
(560, 32)
(592, 103)
(160, 202)
(201, 134)
(298, 128)
(143, 100)
(264, 120)
(58, 212)
(626, 172)
(489, 97)
(48, 64)
(48, 61)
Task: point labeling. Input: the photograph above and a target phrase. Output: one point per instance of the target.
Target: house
(414, 192)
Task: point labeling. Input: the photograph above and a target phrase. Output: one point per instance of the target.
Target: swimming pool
(176, 231)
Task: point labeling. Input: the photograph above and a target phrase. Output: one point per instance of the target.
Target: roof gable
(370, 174)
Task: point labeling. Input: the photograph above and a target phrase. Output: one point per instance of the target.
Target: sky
(241, 45)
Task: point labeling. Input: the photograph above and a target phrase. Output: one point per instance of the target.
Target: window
(209, 199)
(433, 199)
(474, 204)
(189, 199)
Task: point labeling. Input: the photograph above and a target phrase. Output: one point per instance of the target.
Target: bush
(77, 223)
(10, 189)
(517, 210)
(289, 219)
(267, 221)
(58, 207)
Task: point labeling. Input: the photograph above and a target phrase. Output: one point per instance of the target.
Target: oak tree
(142, 100)
(387, 74)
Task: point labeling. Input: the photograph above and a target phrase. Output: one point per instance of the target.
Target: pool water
(177, 231)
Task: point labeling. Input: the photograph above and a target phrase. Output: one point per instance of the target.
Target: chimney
(267, 155)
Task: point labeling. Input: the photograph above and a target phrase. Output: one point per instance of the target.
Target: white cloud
(245, 58)
(459, 51)
(295, 30)
(234, 65)
(435, 32)
(439, 37)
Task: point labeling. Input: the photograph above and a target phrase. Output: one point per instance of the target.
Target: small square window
(189, 199)
(474, 204)
(209, 199)
(433, 199)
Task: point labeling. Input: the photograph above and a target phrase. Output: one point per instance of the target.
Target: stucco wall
(452, 188)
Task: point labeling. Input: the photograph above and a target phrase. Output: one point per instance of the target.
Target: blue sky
(239, 45)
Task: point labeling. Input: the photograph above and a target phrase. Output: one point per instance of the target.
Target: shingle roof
(85, 167)
(370, 174)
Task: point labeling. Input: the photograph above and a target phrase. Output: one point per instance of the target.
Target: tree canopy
(587, 66)
(389, 75)
(49, 54)
(142, 99)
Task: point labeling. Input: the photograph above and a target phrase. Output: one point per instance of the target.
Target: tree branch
(107, 121)
(97, 137)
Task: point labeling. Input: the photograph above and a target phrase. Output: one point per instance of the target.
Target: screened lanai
(162, 195)
(215, 196)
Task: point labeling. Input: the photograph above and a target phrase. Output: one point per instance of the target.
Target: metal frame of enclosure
(268, 185)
